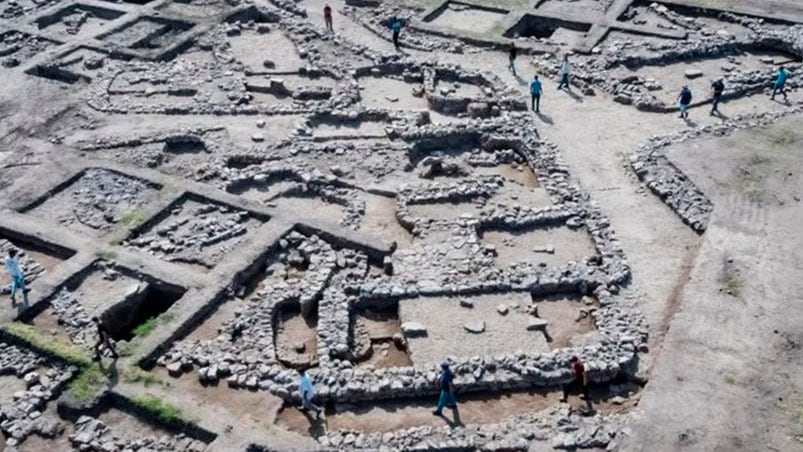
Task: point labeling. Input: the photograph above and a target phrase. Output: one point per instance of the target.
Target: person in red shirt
(580, 379)
(327, 16)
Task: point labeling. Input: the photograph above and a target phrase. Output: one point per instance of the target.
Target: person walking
(535, 94)
(104, 339)
(513, 53)
(716, 95)
(395, 27)
(327, 17)
(780, 83)
(307, 393)
(580, 378)
(17, 277)
(684, 98)
(565, 70)
(447, 398)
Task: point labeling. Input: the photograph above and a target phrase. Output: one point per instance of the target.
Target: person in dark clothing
(395, 27)
(514, 52)
(447, 398)
(717, 88)
(684, 99)
(580, 379)
(104, 339)
(327, 17)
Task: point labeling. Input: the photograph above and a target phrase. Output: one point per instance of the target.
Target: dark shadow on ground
(545, 118)
(573, 95)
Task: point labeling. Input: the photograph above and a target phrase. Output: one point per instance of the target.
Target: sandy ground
(728, 376)
(446, 319)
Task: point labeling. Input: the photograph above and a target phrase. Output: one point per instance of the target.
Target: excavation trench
(147, 303)
(474, 408)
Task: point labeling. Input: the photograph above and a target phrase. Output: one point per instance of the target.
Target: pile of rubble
(101, 198)
(23, 416)
(199, 232)
(92, 435)
(556, 425)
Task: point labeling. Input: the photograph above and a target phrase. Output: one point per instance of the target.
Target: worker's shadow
(520, 80)
(110, 372)
(573, 94)
(545, 118)
(453, 423)
(21, 307)
(317, 425)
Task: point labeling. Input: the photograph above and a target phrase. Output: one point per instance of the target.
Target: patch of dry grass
(781, 137)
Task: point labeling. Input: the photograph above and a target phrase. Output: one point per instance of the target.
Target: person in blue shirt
(780, 83)
(684, 99)
(535, 93)
(307, 393)
(395, 27)
(17, 277)
(447, 398)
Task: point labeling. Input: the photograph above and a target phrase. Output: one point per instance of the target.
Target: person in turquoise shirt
(17, 277)
(307, 394)
(535, 94)
(447, 398)
(396, 26)
(780, 83)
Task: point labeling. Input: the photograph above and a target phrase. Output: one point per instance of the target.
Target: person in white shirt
(565, 70)
(17, 277)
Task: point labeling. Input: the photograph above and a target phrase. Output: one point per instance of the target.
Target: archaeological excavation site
(308, 225)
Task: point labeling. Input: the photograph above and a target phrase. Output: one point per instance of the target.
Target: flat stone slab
(413, 329)
(475, 327)
(536, 324)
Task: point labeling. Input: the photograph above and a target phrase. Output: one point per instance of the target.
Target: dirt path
(472, 409)
(345, 27)
(733, 360)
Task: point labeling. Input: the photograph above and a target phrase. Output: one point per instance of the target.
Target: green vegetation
(107, 255)
(732, 285)
(751, 185)
(127, 348)
(162, 411)
(87, 384)
(146, 328)
(49, 344)
(133, 218)
(730, 380)
(134, 374)
(149, 325)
